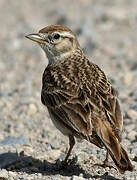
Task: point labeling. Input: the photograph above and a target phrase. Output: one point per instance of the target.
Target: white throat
(53, 59)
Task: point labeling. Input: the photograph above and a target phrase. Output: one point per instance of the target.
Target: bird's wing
(109, 102)
(67, 108)
(67, 102)
(108, 126)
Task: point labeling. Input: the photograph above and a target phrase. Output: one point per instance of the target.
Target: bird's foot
(61, 165)
(72, 161)
(104, 165)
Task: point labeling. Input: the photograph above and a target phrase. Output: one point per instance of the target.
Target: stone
(129, 128)
(132, 114)
(60, 178)
(32, 109)
(77, 178)
(134, 150)
(11, 178)
(12, 174)
(82, 156)
(54, 154)
(132, 135)
(3, 173)
(128, 78)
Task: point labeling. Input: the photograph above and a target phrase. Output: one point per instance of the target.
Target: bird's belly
(59, 125)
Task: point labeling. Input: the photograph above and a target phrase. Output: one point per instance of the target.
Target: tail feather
(124, 163)
(117, 152)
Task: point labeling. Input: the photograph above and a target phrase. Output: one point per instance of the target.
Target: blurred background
(106, 31)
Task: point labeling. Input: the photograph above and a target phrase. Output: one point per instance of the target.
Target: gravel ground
(29, 150)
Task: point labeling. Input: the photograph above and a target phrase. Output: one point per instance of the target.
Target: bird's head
(57, 41)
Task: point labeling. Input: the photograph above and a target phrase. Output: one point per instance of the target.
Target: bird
(80, 99)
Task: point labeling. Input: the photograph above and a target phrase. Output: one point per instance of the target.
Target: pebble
(60, 178)
(134, 150)
(132, 114)
(129, 128)
(134, 164)
(132, 135)
(54, 154)
(3, 173)
(82, 156)
(30, 178)
(132, 156)
(128, 78)
(11, 178)
(12, 174)
(77, 178)
(32, 109)
(28, 150)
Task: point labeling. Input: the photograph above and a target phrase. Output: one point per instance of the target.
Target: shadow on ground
(22, 163)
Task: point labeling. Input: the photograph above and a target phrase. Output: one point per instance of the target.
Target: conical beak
(37, 38)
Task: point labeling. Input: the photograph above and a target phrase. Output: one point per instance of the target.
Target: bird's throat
(54, 59)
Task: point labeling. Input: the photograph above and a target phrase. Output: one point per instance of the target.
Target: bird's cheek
(63, 47)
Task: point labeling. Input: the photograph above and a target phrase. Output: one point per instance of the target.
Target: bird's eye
(56, 36)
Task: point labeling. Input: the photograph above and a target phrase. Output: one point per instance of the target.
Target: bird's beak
(37, 38)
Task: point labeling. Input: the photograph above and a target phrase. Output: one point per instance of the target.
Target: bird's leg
(107, 157)
(71, 144)
(105, 163)
(65, 163)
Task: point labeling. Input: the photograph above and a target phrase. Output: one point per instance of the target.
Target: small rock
(134, 164)
(39, 175)
(32, 109)
(132, 135)
(128, 78)
(55, 144)
(82, 156)
(30, 178)
(54, 154)
(11, 178)
(132, 114)
(130, 127)
(77, 178)
(57, 178)
(81, 175)
(3, 173)
(67, 178)
(134, 149)
(28, 150)
(132, 156)
(12, 174)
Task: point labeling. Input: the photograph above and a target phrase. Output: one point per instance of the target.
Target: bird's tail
(117, 152)
(123, 164)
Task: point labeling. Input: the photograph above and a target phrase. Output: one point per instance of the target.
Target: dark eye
(56, 36)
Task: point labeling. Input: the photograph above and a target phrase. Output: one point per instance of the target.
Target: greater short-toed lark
(81, 101)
